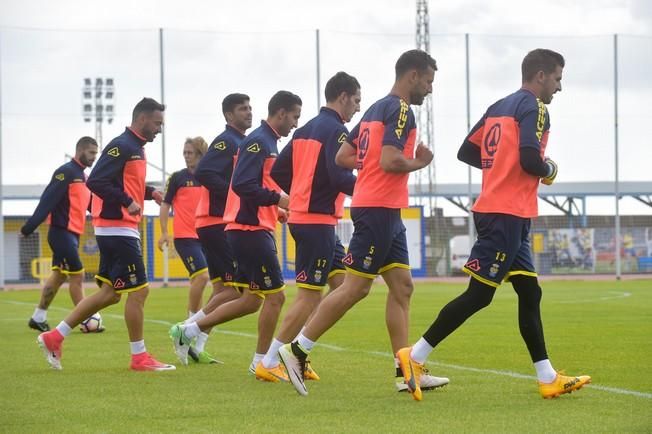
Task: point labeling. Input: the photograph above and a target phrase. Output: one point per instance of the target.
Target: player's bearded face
(290, 121)
(551, 85)
(88, 156)
(243, 116)
(352, 106)
(422, 86)
(152, 125)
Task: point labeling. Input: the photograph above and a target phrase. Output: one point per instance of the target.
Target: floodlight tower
(98, 103)
(425, 179)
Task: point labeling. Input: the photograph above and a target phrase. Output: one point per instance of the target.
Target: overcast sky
(212, 48)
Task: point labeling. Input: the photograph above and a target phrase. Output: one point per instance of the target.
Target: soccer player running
(382, 148)
(252, 209)
(65, 201)
(509, 145)
(214, 172)
(306, 169)
(118, 186)
(182, 195)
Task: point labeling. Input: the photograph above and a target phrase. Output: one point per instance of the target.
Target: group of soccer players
(228, 200)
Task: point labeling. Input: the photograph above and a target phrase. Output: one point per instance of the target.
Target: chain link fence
(41, 81)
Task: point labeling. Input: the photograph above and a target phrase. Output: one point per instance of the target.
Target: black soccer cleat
(40, 326)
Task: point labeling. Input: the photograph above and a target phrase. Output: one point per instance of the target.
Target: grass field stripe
(379, 353)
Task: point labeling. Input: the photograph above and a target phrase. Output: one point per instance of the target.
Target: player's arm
(530, 146)
(151, 193)
(52, 195)
(392, 159)
(210, 169)
(163, 220)
(340, 176)
(532, 163)
(347, 155)
(469, 152)
(282, 169)
(171, 188)
(398, 122)
(246, 180)
(102, 179)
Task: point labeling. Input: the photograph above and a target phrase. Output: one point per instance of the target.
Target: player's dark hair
(540, 59)
(232, 100)
(146, 105)
(340, 82)
(282, 100)
(414, 59)
(84, 143)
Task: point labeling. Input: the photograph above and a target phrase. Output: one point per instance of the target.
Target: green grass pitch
(599, 328)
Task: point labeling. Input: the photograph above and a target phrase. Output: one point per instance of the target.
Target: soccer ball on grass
(92, 324)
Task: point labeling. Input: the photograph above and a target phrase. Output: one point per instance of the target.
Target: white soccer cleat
(294, 366)
(428, 382)
(181, 343)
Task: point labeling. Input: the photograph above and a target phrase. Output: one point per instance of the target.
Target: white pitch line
(619, 295)
(511, 374)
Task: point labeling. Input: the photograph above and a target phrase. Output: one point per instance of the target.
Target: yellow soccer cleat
(412, 372)
(309, 373)
(273, 375)
(562, 384)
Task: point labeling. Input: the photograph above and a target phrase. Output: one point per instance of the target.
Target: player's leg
(336, 275)
(65, 258)
(198, 282)
(73, 267)
(249, 302)
(490, 259)
(51, 341)
(222, 293)
(39, 319)
(397, 309)
(305, 302)
(221, 269)
(183, 334)
(260, 261)
(316, 249)
(368, 249)
(135, 313)
(523, 277)
(396, 274)
(206, 254)
(315, 244)
(76, 287)
(106, 296)
(244, 305)
(335, 281)
(190, 252)
(265, 344)
(127, 275)
(551, 383)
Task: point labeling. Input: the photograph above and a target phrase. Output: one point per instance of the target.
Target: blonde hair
(198, 144)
